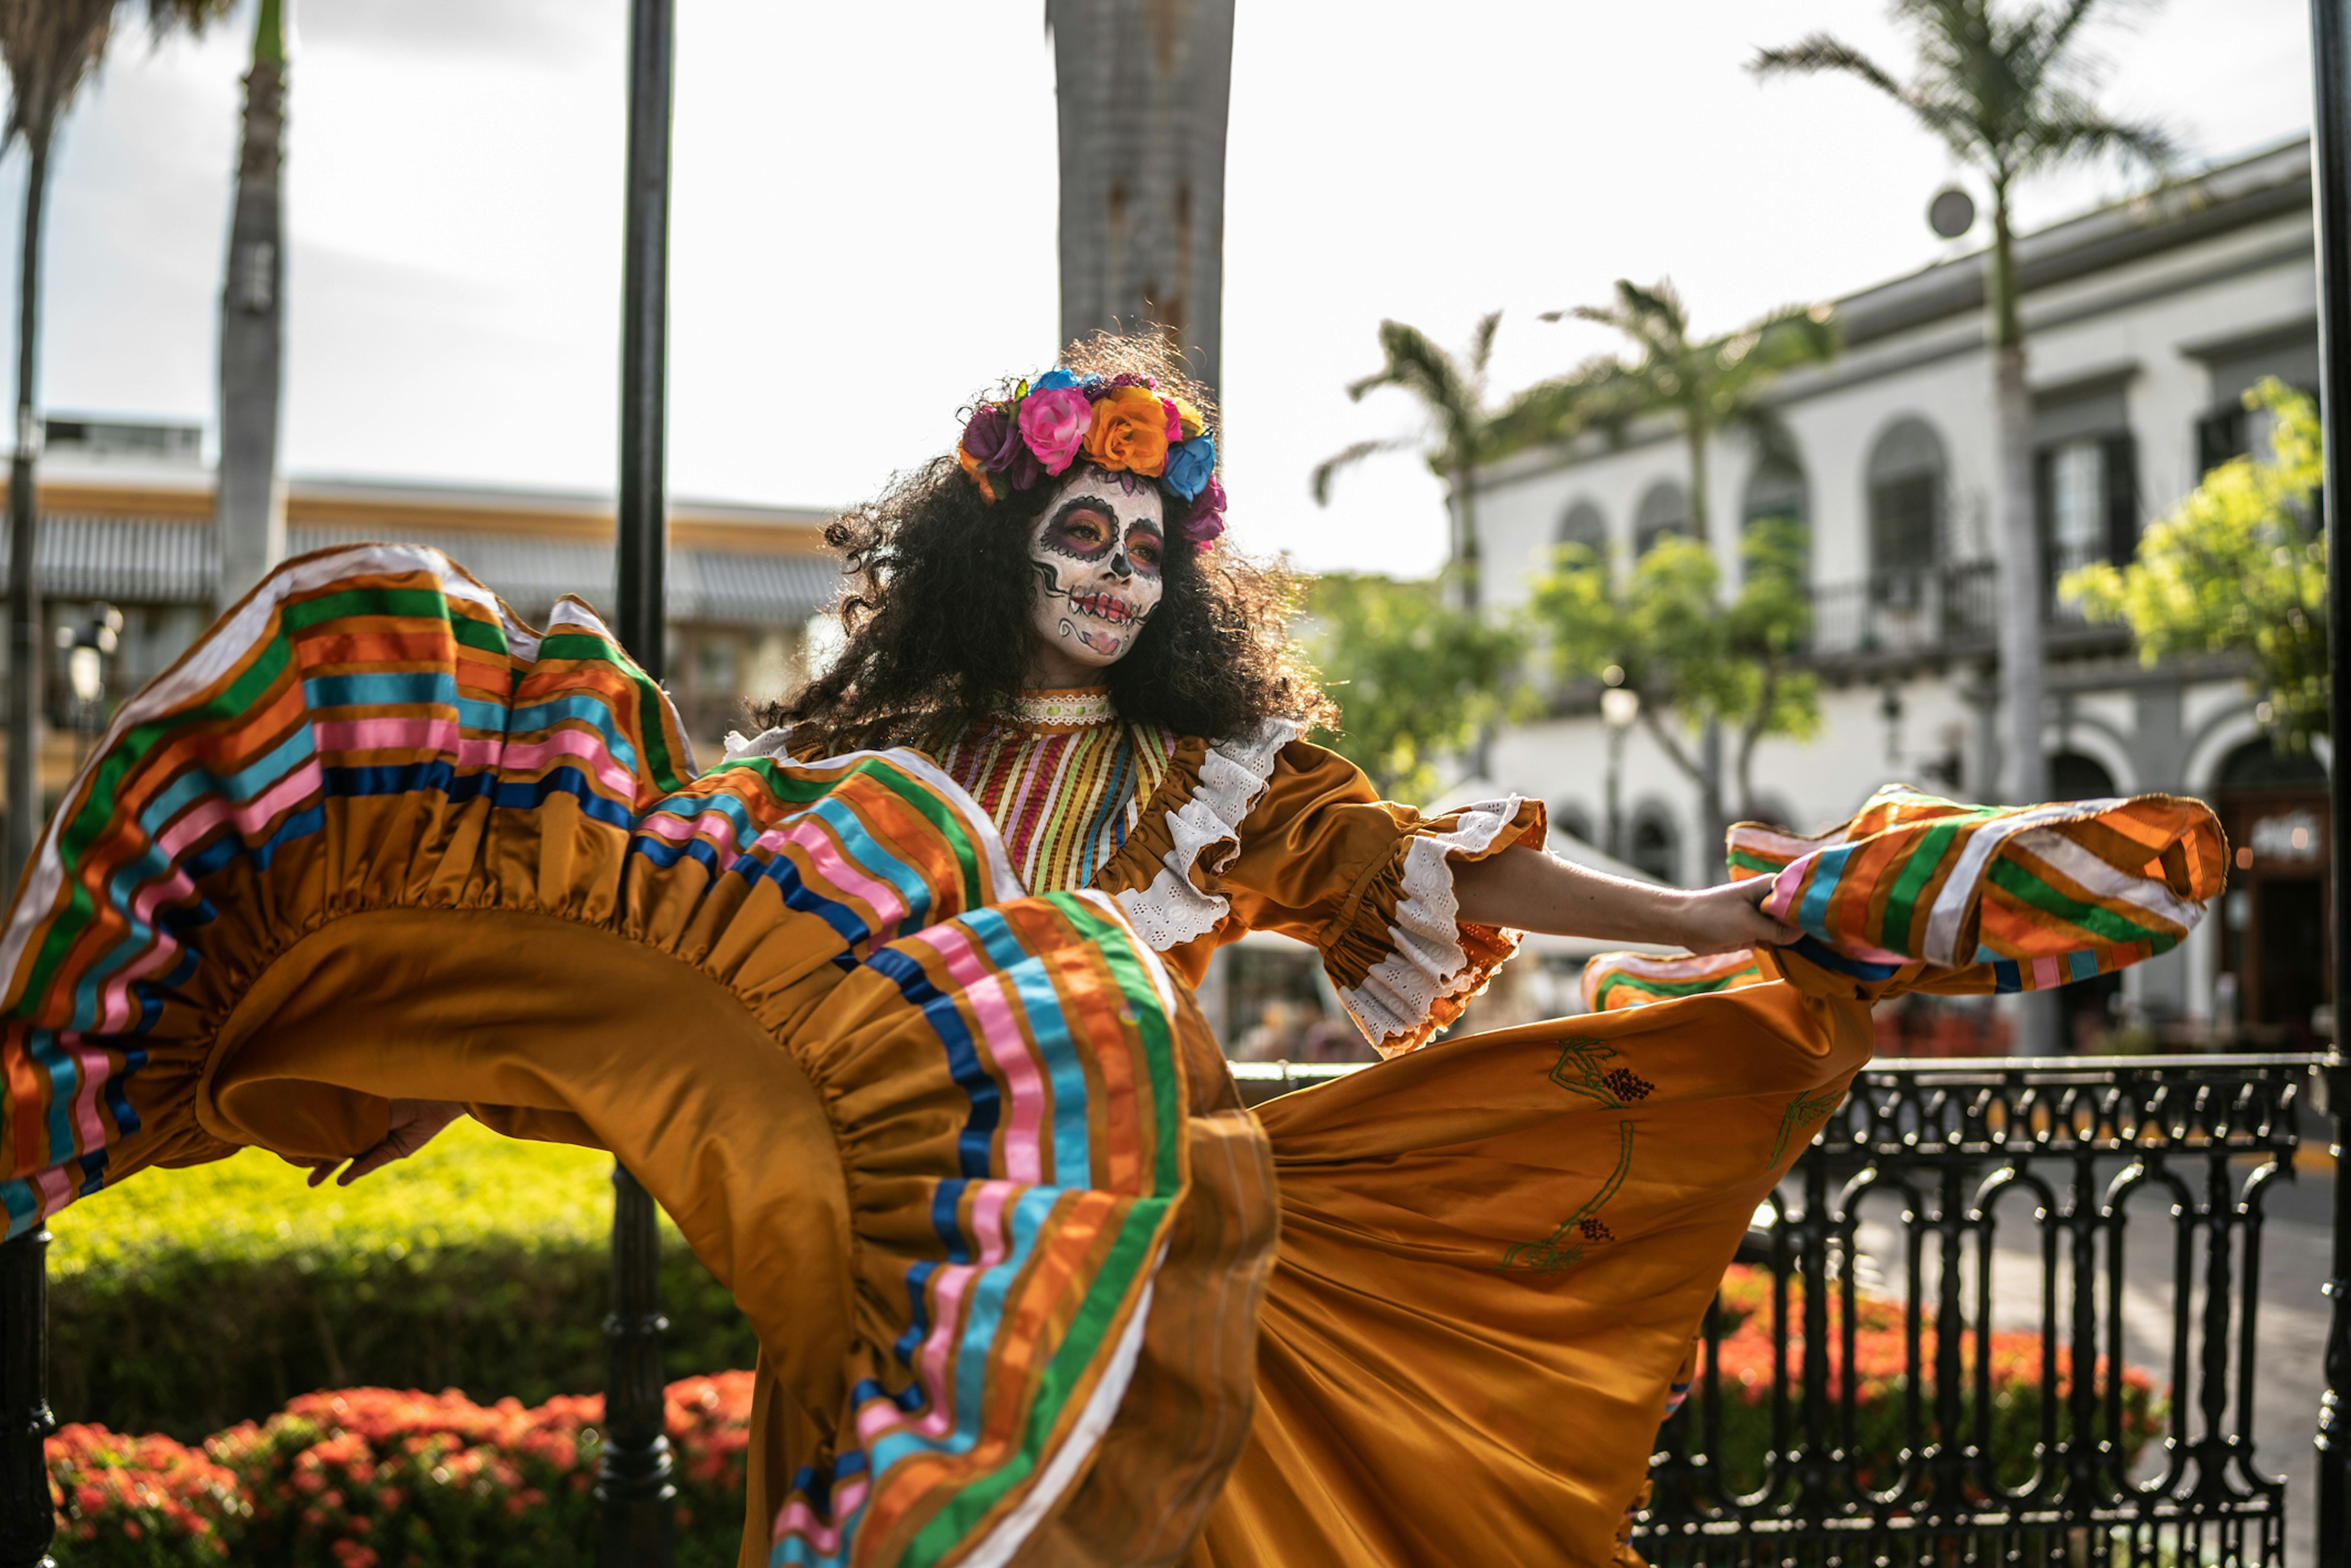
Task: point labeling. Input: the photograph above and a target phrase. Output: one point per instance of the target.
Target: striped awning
(144, 560)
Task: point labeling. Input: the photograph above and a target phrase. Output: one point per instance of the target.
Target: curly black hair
(936, 612)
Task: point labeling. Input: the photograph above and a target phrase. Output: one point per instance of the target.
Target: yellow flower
(1189, 419)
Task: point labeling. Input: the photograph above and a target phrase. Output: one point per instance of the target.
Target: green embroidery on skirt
(1578, 1072)
(1802, 1110)
(1563, 1248)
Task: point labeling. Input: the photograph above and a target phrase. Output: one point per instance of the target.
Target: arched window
(1653, 851)
(1664, 510)
(1907, 477)
(1582, 524)
(2073, 776)
(1776, 489)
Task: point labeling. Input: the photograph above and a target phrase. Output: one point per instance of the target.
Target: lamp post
(2330, 159)
(1620, 704)
(634, 1480)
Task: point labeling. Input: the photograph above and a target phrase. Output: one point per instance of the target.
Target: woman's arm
(1531, 891)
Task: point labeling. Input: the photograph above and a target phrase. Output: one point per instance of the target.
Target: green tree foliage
(1415, 677)
(2239, 566)
(1694, 660)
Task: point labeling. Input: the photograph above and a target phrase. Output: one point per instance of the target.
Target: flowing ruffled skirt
(1030, 1284)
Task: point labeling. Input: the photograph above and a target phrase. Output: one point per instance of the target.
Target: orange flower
(972, 467)
(1130, 432)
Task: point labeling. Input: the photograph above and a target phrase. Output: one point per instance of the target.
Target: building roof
(146, 537)
(2228, 196)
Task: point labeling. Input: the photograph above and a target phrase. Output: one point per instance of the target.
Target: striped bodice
(1063, 797)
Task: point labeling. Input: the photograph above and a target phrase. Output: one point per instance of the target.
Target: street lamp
(87, 649)
(1620, 704)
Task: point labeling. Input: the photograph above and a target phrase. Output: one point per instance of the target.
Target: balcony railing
(1960, 1234)
(1930, 612)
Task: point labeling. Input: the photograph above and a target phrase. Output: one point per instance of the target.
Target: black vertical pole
(2330, 156)
(635, 1480)
(28, 1521)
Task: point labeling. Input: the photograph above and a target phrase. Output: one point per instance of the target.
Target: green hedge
(183, 1301)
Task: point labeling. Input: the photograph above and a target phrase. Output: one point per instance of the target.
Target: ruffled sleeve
(1271, 833)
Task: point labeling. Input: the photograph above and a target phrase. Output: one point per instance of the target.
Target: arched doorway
(2273, 941)
(2088, 1009)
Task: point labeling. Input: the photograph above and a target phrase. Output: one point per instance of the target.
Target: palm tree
(50, 48)
(1704, 386)
(2008, 93)
(249, 515)
(1463, 430)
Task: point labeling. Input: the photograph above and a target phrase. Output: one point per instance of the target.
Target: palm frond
(2072, 130)
(49, 48)
(1419, 366)
(1345, 459)
(1482, 343)
(1818, 52)
(1595, 394)
(1797, 334)
(189, 16)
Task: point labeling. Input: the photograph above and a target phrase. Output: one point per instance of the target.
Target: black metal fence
(2037, 1285)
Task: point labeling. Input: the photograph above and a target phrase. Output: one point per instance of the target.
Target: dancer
(891, 1011)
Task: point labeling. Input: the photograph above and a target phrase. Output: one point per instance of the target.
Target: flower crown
(1117, 422)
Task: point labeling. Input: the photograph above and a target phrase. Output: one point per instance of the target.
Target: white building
(2146, 321)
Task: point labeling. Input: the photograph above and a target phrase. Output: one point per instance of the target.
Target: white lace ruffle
(766, 743)
(1427, 962)
(1171, 911)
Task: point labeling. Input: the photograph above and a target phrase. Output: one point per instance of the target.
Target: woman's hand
(1728, 919)
(413, 1124)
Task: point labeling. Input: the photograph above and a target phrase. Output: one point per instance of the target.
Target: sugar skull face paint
(1097, 550)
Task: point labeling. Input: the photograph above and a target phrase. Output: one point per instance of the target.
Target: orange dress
(1030, 1284)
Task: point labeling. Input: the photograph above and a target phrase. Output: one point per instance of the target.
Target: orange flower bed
(1880, 1382)
(377, 1477)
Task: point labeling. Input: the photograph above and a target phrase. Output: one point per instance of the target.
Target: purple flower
(993, 437)
(1207, 516)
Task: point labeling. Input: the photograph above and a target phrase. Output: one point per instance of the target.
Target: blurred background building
(2148, 321)
(129, 563)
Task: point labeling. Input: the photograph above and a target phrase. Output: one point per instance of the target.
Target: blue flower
(1054, 378)
(1189, 464)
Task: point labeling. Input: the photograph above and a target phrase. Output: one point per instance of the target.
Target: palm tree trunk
(1715, 826)
(1701, 515)
(249, 507)
(25, 639)
(2021, 587)
(1464, 556)
(1465, 535)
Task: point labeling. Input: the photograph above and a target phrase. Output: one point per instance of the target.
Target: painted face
(1097, 550)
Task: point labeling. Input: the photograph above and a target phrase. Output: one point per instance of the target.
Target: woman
(892, 1012)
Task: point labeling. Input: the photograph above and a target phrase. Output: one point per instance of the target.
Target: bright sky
(864, 220)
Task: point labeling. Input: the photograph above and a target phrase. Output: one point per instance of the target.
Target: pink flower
(1054, 422)
(1175, 420)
